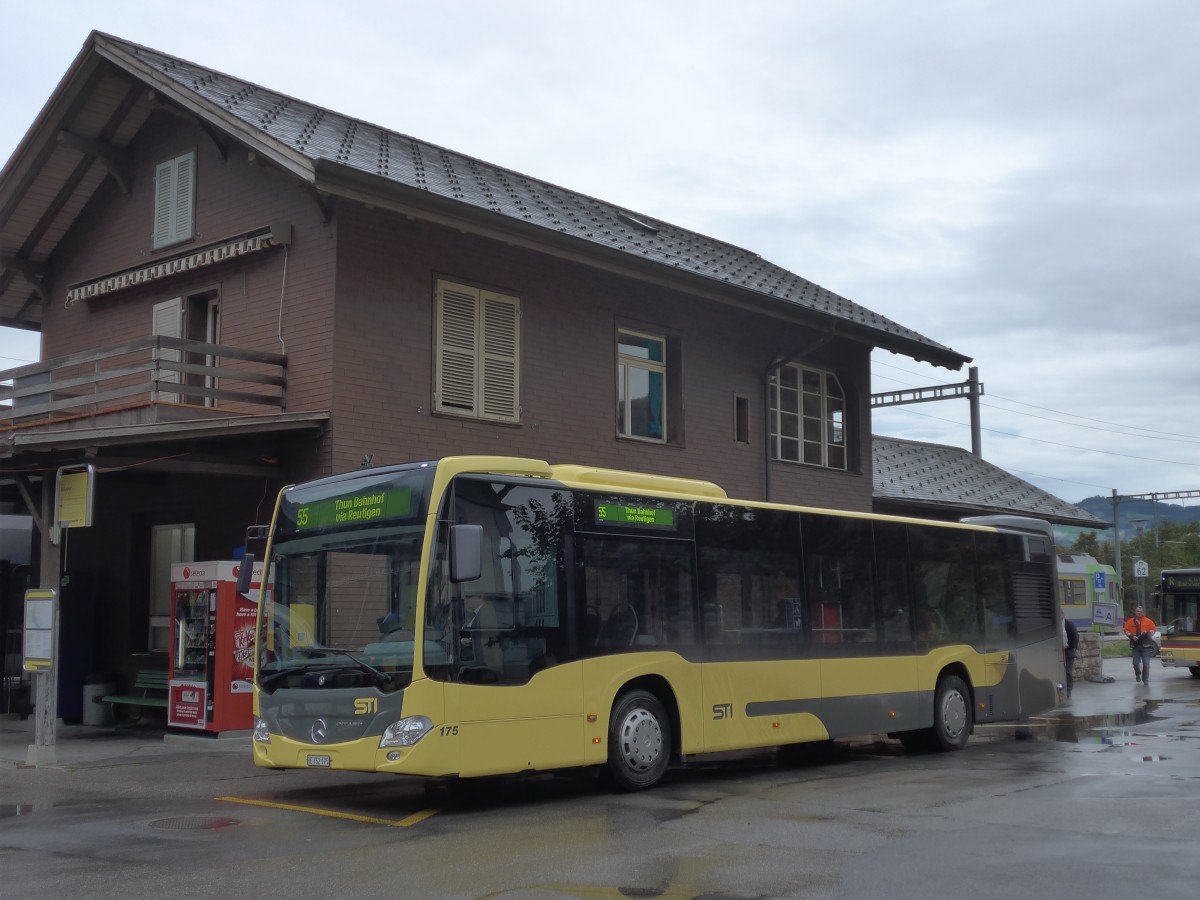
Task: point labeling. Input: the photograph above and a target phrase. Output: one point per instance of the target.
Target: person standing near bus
(1070, 645)
(1140, 629)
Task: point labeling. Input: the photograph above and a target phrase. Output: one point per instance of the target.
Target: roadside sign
(41, 610)
(1099, 580)
(1104, 614)
(1141, 569)
(73, 492)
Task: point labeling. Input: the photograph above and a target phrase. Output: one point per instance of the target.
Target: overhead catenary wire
(1126, 430)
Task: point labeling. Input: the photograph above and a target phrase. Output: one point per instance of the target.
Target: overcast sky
(1017, 180)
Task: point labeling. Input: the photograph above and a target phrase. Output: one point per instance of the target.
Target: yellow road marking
(406, 822)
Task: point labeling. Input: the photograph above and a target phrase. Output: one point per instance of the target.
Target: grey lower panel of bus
(1019, 692)
(327, 717)
(849, 716)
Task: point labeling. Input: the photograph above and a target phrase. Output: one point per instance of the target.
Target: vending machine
(212, 650)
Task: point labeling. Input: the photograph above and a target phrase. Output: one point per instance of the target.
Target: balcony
(147, 381)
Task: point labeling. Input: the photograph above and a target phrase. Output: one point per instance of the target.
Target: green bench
(154, 690)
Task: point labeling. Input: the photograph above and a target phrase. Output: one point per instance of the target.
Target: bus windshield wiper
(383, 677)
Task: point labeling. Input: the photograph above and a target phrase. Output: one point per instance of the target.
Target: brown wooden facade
(312, 302)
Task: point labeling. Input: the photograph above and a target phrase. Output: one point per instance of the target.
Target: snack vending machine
(212, 650)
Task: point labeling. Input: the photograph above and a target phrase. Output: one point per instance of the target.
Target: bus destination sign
(1181, 582)
(368, 507)
(624, 514)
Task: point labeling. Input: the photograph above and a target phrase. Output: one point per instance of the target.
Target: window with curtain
(641, 386)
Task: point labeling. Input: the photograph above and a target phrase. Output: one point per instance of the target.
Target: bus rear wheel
(1195, 670)
(951, 720)
(639, 741)
(951, 714)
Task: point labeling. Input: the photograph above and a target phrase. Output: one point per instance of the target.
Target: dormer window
(174, 200)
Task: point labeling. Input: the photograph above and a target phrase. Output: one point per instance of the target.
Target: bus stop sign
(1104, 614)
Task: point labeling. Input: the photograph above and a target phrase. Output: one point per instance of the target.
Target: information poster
(41, 608)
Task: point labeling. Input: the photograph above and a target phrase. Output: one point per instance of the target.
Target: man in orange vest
(1140, 629)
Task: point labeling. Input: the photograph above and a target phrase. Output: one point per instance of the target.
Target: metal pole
(1117, 546)
(767, 383)
(44, 751)
(973, 399)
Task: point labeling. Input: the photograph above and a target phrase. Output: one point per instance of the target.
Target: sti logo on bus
(366, 705)
(722, 711)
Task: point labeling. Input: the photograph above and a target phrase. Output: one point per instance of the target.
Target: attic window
(636, 222)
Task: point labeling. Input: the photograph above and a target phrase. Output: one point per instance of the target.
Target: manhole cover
(194, 823)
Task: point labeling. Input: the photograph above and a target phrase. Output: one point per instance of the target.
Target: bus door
(511, 689)
(517, 704)
(862, 612)
(514, 727)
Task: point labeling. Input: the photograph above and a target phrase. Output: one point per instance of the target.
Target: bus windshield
(341, 584)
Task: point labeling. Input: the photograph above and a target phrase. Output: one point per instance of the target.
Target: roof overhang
(163, 432)
(243, 446)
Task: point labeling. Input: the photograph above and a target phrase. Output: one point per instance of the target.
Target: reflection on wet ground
(1126, 730)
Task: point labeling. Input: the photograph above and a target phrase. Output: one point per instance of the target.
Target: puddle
(195, 823)
(1115, 729)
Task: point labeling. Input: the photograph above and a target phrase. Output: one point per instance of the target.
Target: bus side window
(895, 590)
(839, 566)
(946, 600)
(641, 590)
(993, 574)
(749, 582)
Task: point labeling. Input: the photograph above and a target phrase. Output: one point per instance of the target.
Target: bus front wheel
(639, 741)
(1195, 670)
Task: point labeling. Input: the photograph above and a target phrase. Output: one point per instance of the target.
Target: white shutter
(185, 194)
(456, 349)
(477, 365)
(168, 321)
(499, 366)
(174, 199)
(164, 184)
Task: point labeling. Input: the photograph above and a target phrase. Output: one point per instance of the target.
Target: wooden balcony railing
(147, 372)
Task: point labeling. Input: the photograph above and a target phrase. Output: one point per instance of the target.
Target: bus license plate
(318, 761)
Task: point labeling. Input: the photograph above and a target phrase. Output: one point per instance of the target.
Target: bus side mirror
(245, 573)
(466, 552)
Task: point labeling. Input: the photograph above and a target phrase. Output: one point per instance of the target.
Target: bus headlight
(406, 732)
(261, 735)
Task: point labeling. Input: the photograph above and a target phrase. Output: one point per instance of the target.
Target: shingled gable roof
(926, 478)
(340, 156)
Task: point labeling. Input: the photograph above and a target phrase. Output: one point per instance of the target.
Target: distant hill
(1145, 513)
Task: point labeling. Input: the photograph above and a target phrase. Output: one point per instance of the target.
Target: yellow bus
(1177, 609)
(485, 615)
